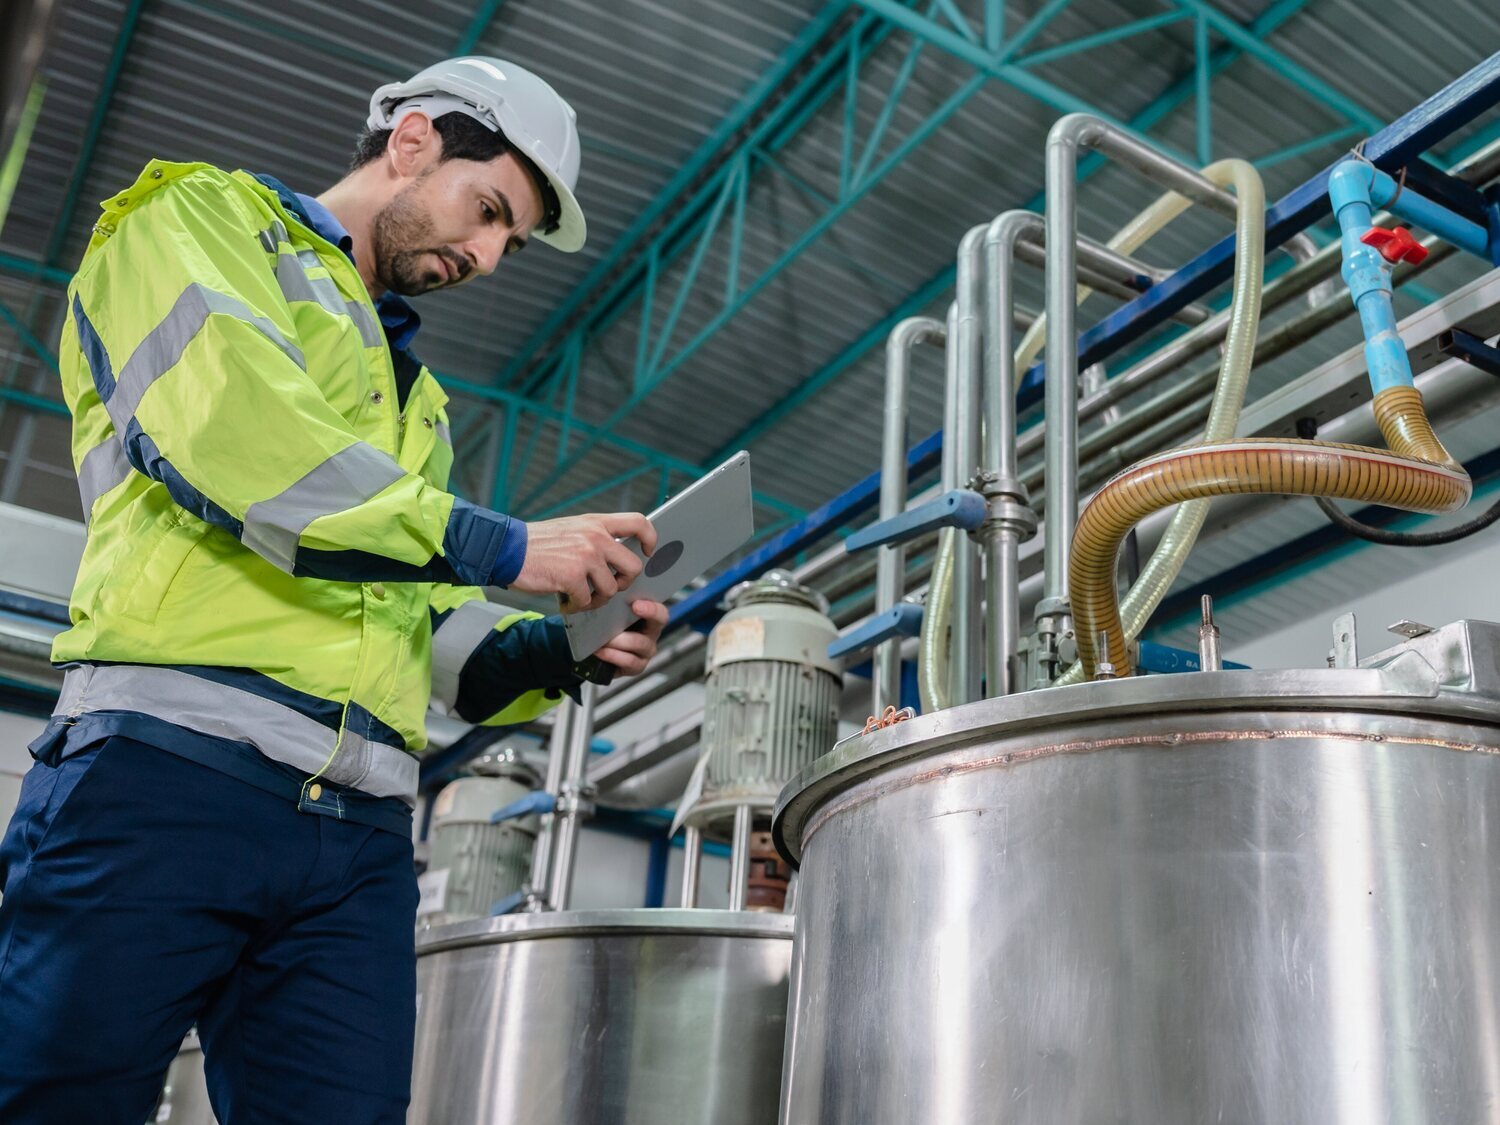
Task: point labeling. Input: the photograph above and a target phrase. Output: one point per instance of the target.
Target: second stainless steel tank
(1222, 897)
(625, 1017)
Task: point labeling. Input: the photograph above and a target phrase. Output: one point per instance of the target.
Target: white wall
(15, 732)
(1435, 593)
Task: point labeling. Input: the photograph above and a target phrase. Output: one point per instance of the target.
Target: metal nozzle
(1208, 639)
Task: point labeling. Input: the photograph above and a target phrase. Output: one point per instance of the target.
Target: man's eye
(488, 211)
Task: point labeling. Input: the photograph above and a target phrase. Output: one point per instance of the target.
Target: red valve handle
(1395, 244)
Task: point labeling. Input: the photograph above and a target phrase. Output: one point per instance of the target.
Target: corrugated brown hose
(1415, 474)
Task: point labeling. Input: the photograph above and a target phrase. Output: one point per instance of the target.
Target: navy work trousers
(144, 893)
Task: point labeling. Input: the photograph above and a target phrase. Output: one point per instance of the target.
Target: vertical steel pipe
(572, 805)
(739, 858)
(692, 860)
(890, 566)
(966, 344)
(1005, 530)
(557, 754)
(1070, 136)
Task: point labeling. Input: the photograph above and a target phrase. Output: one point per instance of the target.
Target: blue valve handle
(904, 620)
(508, 903)
(958, 508)
(537, 801)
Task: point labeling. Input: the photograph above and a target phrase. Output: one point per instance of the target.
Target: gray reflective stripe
(461, 632)
(104, 467)
(297, 284)
(226, 712)
(444, 433)
(159, 352)
(346, 480)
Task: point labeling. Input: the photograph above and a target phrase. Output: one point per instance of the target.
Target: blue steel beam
(88, 144)
(514, 401)
(989, 67)
(1170, 99)
(672, 194)
(479, 23)
(1399, 143)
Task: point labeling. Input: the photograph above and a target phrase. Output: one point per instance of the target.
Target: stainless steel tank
(625, 1017)
(1217, 897)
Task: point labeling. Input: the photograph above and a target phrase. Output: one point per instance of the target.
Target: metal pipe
(1302, 278)
(1003, 536)
(1061, 390)
(1109, 272)
(951, 476)
(739, 858)
(967, 666)
(890, 569)
(1169, 415)
(573, 805)
(692, 859)
(557, 752)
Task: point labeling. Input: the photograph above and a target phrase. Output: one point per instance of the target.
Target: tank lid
(596, 923)
(1451, 672)
(777, 587)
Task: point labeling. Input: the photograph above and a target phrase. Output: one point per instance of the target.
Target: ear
(414, 145)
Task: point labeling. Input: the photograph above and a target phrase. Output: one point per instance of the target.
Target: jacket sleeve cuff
(527, 655)
(484, 548)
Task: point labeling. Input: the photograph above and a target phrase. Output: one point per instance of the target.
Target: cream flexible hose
(1166, 562)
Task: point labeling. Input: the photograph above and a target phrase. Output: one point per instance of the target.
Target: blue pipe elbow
(1368, 276)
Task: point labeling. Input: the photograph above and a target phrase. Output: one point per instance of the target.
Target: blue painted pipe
(1368, 276)
(1420, 211)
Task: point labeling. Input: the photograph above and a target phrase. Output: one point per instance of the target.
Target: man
(218, 826)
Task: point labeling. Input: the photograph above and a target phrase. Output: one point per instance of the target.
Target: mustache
(462, 264)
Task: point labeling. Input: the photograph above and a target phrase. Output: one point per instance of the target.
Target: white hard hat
(510, 99)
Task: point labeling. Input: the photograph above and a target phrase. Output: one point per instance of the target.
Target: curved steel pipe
(890, 563)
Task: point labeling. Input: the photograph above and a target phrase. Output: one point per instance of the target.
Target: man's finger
(624, 524)
(627, 662)
(653, 616)
(625, 562)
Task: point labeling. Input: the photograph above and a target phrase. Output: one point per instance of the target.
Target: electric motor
(771, 705)
(474, 862)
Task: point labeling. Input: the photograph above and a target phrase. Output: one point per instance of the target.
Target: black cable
(1308, 428)
(1407, 538)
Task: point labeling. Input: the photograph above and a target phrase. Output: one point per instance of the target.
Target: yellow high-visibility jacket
(272, 555)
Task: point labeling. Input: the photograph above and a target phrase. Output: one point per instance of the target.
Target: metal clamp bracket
(958, 508)
(1471, 349)
(904, 620)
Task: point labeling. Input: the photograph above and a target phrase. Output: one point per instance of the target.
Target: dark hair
(464, 138)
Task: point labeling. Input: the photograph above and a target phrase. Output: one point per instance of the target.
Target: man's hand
(633, 649)
(581, 558)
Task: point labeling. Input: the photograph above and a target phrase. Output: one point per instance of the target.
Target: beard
(402, 240)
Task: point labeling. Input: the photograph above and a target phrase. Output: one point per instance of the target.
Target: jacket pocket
(149, 578)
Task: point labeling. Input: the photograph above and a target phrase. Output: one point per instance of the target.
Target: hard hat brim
(572, 231)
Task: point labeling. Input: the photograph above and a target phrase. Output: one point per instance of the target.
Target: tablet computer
(695, 529)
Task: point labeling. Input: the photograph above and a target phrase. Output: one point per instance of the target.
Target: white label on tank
(744, 639)
(432, 886)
